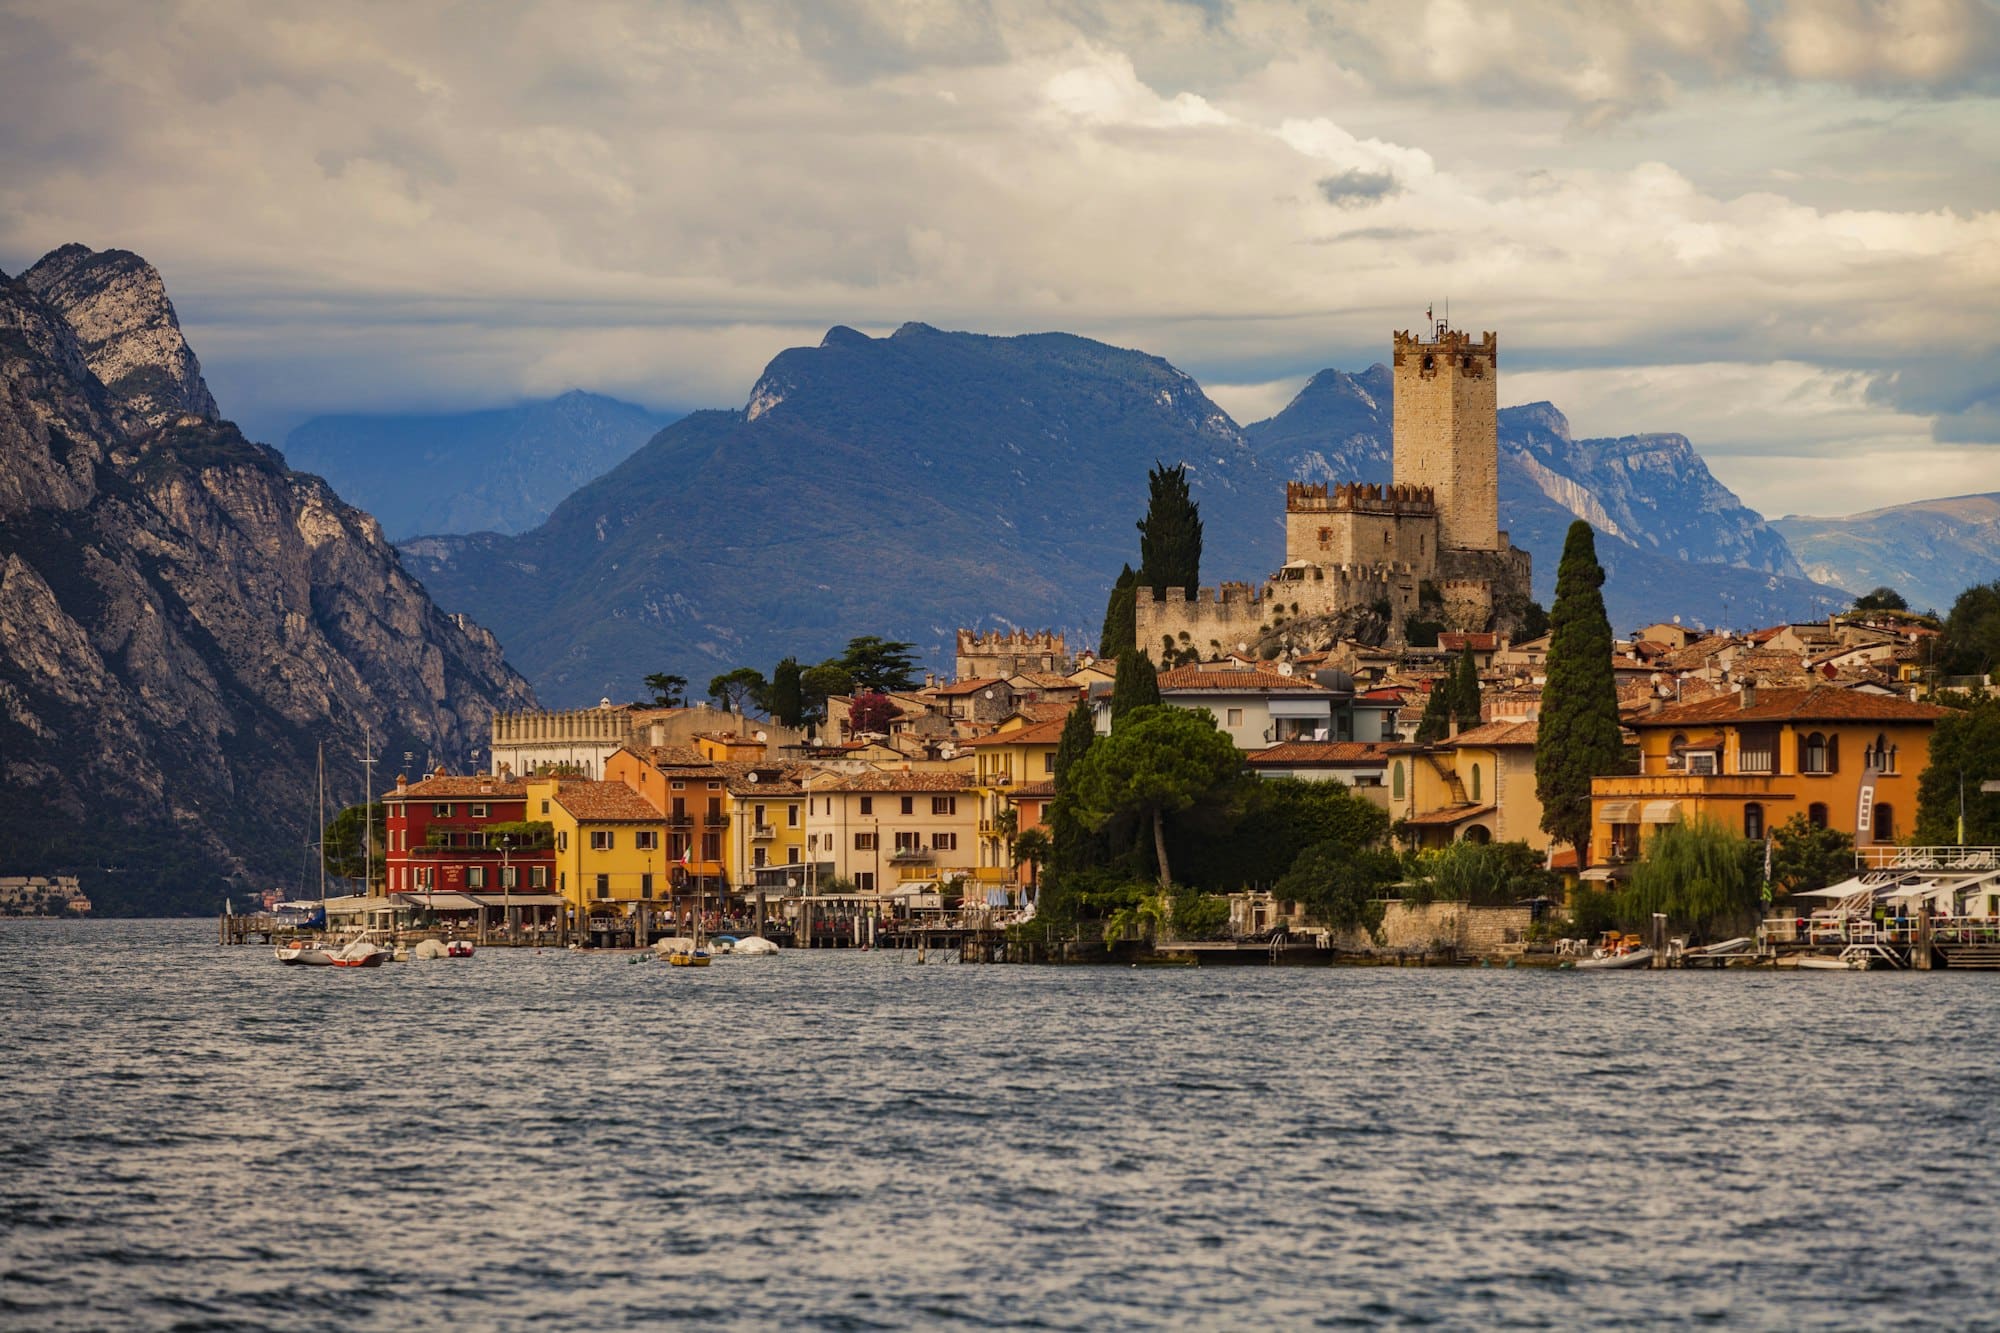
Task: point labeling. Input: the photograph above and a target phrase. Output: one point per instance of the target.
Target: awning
(437, 902)
(1660, 812)
(1618, 812)
(518, 900)
(1847, 888)
(1318, 708)
(910, 888)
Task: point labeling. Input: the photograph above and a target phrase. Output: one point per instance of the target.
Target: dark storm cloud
(1358, 188)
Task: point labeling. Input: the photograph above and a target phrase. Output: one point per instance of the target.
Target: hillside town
(913, 794)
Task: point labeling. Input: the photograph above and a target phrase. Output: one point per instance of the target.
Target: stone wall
(1473, 931)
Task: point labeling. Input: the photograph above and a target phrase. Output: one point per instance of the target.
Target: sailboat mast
(320, 795)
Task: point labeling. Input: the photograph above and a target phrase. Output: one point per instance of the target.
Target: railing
(913, 854)
(763, 832)
(680, 821)
(715, 821)
(1634, 786)
(1927, 858)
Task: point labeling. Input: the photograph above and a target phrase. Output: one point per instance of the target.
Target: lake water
(196, 1137)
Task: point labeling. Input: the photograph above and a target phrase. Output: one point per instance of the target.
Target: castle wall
(996, 655)
(1446, 422)
(1357, 524)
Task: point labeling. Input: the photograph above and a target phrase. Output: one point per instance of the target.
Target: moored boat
(1603, 961)
(303, 953)
(458, 948)
(754, 946)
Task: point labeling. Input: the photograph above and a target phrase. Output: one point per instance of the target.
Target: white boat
(303, 953)
(755, 946)
(1604, 960)
(1820, 963)
(361, 953)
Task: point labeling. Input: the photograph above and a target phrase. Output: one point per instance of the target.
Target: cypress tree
(1465, 693)
(1121, 628)
(1170, 534)
(1070, 842)
(1136, 685)
(1435, 724)
(787, 697)
(1578, 739)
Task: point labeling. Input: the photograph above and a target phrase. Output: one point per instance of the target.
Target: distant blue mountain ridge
(915, 483)
(497, 470)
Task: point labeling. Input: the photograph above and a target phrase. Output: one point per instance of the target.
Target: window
(711, 846)
(538, 877)
(1235, 717)
(1396, 780)
(1049, 762)
(791, 856)
(759, 857)
(943, 805)
(908, 841)
(545, 807)
(864, 881)
(944, 842)
(867, 805)
(1475, 786)
(1812, 754)
(604, 886)
(864, 842)
(715, 786)
(475, 877)
(479, 812)
(678, 785)
(1753, 821)
(646, 840)
(562, 841)
(646, 886)
(792, 815)
(1885, 823)
(601, 840)
(909, 805)
(1816, 815)
(1881, 756)
(441, 811)
(510, 877)
(1701, 763)
(757, 815)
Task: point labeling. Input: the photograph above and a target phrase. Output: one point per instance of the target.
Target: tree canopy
(1578, 738)
(1159, 761)
(1496, 874)
(739, 690)
(1170, 534)
(1805, 856)
(1972, 632)
(1881, 599)
(1700, 874)
(1339, 886)
(1121, 631)
(871, 711)
(1963, 742)
(1273, 824)
(786, 700)
(669, 690)
(345, 843)
(880, 664)
(819, 683)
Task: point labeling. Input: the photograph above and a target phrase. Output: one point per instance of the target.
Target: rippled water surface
(195, 1136)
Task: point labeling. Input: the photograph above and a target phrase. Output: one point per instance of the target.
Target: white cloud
(374, 206)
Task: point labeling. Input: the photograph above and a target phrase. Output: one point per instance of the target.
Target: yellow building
(610, 857)
(691, 794)
(766, 845)
(893, 831)
(1020, 752)
(1749, 761)
(1479, 786)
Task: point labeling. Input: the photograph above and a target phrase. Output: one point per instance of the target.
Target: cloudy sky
(1773, 227)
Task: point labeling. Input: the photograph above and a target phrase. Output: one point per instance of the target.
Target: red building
(443, 840)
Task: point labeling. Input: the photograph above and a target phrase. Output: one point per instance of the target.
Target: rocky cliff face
(1928, 550)
(183, 620)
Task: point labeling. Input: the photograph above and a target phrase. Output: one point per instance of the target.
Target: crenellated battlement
(1316, 497)
(997, 653)
(1475, 358)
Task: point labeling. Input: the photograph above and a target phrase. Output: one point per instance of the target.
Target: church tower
(1446, 431)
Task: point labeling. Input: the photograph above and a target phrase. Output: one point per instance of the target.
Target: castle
(1356, 546)
(996, 656)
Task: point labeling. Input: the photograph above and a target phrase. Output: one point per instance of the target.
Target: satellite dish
(761, 736)
(1242, 647)
(1284, 668)
(749, 777)
(989, 694)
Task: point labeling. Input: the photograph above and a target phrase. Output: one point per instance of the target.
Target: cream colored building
(890, 831)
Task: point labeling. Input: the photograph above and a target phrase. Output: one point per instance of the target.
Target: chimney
(1656, 704)
(1749, 699)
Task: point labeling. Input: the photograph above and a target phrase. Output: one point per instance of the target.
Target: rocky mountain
(901, 486)
(494, 471)
(1671, 537)
(183, 620)
(1929, 550)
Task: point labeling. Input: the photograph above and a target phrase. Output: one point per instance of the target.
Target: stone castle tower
(1428, 546)
(1447, 431)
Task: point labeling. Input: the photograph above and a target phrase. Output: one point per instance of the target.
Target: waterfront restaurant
(462, 849)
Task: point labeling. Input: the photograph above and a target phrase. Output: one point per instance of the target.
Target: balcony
(715, 821)
(763, 832)
(680, 821)
(913, 856)
(1666, 785)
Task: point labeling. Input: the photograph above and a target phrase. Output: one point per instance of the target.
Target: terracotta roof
(471, 784)
(674, 756)
(772, 779)
(1035, 733)
(1234, 680)
(1697, 653)
(1339, 753)
(605, 802)
(1451, 814)
(1820, 703)
(904, 782)
(973, 686)
(1047, 680)
(1040, 787)
(1498, 733)
(1454, 641)
(1043, 709)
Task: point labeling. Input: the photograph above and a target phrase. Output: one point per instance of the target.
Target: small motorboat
(688, 958)
(303, 953)
(1821, 963)
(361, 953)
(1606, 961)
(428, 949)
(458, 948)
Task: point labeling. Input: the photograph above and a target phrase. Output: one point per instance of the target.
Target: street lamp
(507, 882)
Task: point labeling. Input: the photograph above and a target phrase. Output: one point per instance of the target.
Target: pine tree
(1578, 737)
(1170, 534)
(1136, 685)
(1465, 692)
(1121, 630)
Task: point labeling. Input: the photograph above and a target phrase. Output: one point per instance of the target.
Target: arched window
(1885, 823)
(1475, 782)
(1753, 821)
(1396, 780)
(1812, 754)
(1816, 815)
